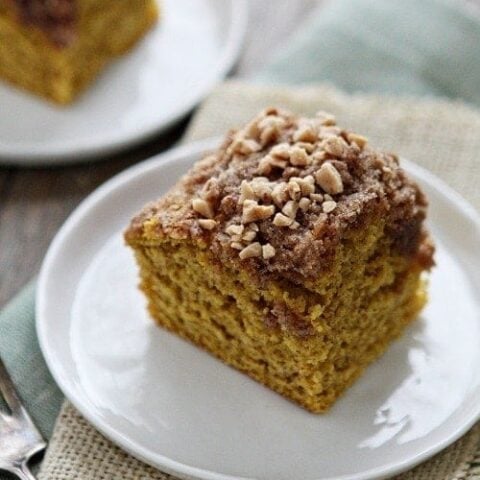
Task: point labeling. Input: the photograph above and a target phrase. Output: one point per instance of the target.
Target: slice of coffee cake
(294, 253)
(55, 48)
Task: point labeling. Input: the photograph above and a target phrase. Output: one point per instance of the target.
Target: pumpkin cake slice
(293, 253)
(56, 48)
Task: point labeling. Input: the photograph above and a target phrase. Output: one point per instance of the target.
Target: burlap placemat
(442, 136)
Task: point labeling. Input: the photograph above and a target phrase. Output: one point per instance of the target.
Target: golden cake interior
(30, 59)
(307, 337)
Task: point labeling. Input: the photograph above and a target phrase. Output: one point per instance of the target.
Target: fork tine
(7, 389)
(24, 473)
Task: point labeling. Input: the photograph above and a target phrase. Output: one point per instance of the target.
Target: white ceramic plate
(175, 407)
(194, 45)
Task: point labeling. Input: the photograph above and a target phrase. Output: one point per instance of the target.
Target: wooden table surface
(35, 202)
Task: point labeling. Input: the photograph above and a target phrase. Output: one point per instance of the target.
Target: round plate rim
(99, 147)
(164, 463)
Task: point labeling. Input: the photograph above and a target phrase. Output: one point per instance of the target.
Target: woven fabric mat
(442, 136)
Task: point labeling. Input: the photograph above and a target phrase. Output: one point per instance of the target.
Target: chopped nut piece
(237, 246)
(327, 197)
(307, 146)
(264, 165)
(271, 111)
(294, 226)
(207, 224)
(277, 162)
(329, 206)
(252, 250)
(249, 235)
(316, 197)
(211, 190)
(253, 226)
(378, 161)
(298, 157)
(290, 209)
(294, 190)
(304, 204)
(261, 189)
(281, 220)
(271, 121)
(269, 134)
(335, 146)
(246, 192)
(306, 132)
(252, 211)
(307, 184)
(281, 150)
(234, 229)
(280, 194)
(318, 156)
(360, 140)
(329, 179)
(290, 172)
(330, 131)
(309, 179)
(251, 129)
(270, 128)
(202, 207)
(267, 163)
(268, 251)
(325, 118)
(247, 146)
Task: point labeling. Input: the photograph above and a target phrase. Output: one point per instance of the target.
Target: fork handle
(23, 472)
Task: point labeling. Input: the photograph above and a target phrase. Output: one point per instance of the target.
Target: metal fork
(20, 439)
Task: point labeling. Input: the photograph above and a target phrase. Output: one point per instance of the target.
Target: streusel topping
(55, 17)
(282, 191)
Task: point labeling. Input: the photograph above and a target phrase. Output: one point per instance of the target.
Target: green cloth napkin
(427, 47)
(21, 353)
(407, 47)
